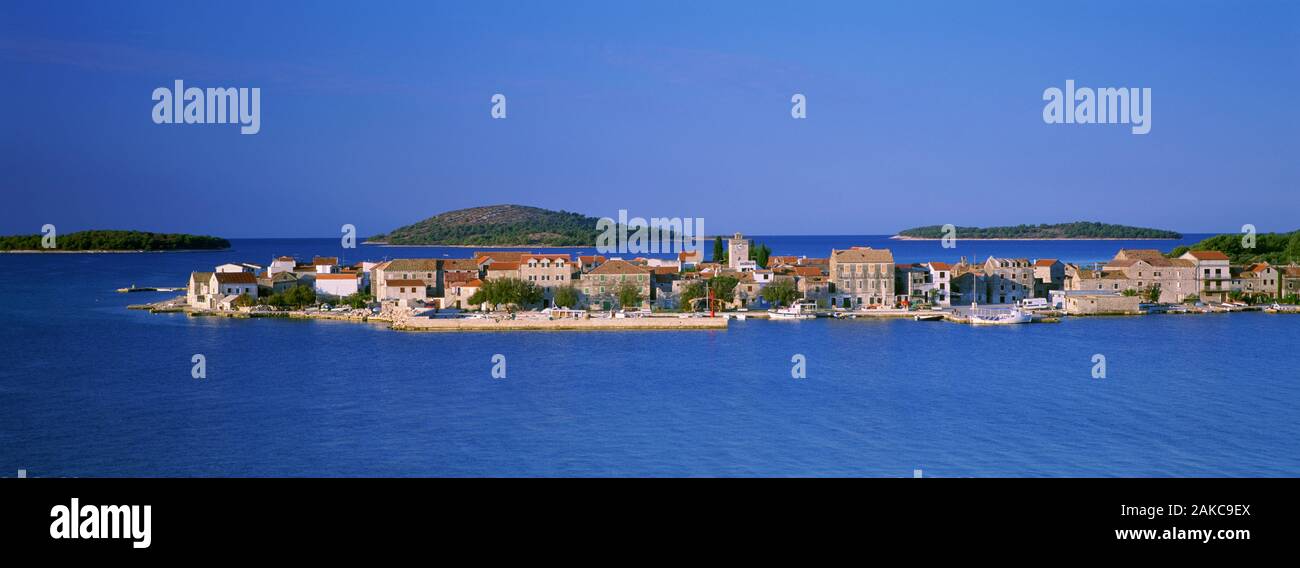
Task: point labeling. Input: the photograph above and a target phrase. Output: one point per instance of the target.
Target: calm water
(90, 389)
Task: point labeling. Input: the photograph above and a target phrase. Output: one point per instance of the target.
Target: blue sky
(377, 114)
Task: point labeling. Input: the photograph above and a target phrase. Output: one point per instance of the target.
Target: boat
(997, 317)
(928, 317)
(799, 310)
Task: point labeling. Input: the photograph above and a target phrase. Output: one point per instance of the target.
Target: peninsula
(1076, 230)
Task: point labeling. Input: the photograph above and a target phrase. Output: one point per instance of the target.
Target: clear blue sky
(377, 114)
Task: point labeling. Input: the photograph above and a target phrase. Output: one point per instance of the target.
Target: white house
(281, 264)
(941, 281)
(196, 293)
(404, 289)
(338, 285)
(233, 284)
(325, 264)
(238, 267)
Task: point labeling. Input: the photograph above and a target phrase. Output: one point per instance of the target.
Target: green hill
(498, 225)
(116, 241)
(1076, 230)
(1274, 248)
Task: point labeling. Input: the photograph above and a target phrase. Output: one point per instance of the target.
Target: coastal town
(687, 291)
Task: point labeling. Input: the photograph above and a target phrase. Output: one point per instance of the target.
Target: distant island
(1077, 230)
(1274, 248)
(497, 225)
(116, 241)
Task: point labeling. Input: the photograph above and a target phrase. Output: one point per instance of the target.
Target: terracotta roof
(940, 266)
(808, 270)
(456, 277)
(236, 278)
(403, 282)
(475, 283)
(461, 264)
(1208, 255)
(587, 259)
(325, 261)
(498, 255)
(863, 254)
(412, 265)
(1144, 254)
(336, 276)
(1045, 262)
(619, 267)
(499, 266)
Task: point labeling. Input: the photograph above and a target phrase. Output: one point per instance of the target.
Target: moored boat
(999, 317)
(799, 310)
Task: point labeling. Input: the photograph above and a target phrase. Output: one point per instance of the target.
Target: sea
(89, 388)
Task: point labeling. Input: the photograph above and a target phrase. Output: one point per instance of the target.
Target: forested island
(114, 241)
(1273, 248)
(497, 225)
(1076, 230)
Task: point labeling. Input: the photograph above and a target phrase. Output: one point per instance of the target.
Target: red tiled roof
(236, 278)
(460, 264)
(1045, 262)
(620, 267)
(1208, 255)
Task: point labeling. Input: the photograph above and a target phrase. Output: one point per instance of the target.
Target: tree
(300, 296)
(759, 253)
(781, 292)
(1293, 247)
(719, 251)
(1129, 292)
(566, 296)
(690, 293)
(724, 286)
(244, 301)
(1153, 293)
(509, 292)
(629, 295)
(358, 300)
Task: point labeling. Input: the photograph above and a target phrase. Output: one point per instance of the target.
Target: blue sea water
(88, 388)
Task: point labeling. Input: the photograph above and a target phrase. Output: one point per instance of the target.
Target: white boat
(998, 317)
(800, 310)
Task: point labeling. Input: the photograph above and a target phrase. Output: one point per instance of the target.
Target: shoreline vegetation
(1079, 230)
(113, 241)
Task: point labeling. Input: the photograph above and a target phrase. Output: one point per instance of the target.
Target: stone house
(599, 288)
(863, 277)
